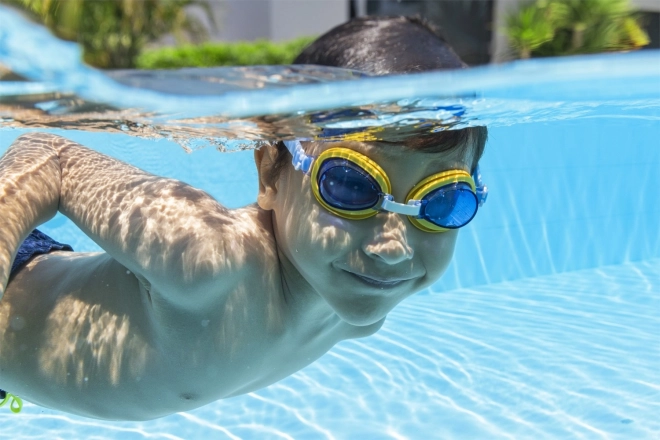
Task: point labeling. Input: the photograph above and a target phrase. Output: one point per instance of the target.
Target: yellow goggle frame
(417, 192)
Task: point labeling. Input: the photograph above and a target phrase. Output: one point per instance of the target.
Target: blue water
(571, 355)
(546, 324)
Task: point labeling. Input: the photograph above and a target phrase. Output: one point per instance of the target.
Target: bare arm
(173, 235)
(26, 173)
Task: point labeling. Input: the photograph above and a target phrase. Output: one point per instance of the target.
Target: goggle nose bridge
(411, 208)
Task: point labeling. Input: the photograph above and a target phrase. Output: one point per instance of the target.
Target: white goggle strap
(482, 190)
(301, 161)
(411, 208)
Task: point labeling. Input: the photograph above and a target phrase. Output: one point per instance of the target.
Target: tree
(568, 27)
(113, 32)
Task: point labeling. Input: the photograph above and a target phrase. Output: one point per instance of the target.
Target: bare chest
(83, 346)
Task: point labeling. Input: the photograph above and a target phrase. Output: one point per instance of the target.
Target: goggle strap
(481, 189)
(301, 161)
(411, 208)
(482, 195)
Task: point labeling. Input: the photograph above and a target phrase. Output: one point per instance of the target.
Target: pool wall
(564, 195)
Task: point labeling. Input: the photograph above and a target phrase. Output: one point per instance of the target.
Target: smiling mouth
(383, 284)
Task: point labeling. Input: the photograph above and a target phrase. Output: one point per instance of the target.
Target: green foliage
(113, 32)
(532, 26)
(567, 27)
(259, 52)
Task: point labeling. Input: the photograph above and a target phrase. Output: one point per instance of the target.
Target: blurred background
(199, 33)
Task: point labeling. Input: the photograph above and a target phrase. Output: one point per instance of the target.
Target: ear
(264, 159)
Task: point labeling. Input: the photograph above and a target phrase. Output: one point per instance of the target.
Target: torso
(100, 344)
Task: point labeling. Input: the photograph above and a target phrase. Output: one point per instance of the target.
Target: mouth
(386, 283)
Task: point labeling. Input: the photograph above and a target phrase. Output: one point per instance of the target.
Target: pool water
(547, 322)
(570, 355)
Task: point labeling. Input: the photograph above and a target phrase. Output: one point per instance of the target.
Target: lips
(383, 283)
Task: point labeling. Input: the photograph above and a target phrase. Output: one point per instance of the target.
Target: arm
(162, 229)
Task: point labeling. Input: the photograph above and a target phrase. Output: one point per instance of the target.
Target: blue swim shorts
(36, 243)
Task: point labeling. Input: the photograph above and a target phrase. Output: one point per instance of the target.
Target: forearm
(158, 227)
(30, 182)
(164, 230)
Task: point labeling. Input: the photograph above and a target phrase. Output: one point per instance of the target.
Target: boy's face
(362, 268)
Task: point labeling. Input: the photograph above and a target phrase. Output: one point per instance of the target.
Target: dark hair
(382, 45)
(391, 45)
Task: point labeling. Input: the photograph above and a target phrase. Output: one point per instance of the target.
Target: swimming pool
(545, 325)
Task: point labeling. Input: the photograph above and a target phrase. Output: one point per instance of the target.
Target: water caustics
(233, 108)
(554, 334)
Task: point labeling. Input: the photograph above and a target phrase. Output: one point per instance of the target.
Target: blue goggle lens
(451, 206)
(345, 185)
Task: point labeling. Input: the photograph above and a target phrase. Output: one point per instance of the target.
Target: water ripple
(571, 355)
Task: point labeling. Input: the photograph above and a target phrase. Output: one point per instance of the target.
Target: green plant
(223, 54)
(113, 32)
(532, 26)
(567, 27)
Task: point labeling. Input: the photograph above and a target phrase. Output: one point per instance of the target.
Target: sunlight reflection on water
(561, 356)
(551, 353)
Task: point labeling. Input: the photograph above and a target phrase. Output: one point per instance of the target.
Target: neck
(294, 292)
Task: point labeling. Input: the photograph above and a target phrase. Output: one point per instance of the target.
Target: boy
(192, 302)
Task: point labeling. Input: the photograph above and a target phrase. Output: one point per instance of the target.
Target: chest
(241, 345)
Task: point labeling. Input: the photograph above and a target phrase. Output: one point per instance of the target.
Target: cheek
(436, 251)
(305, 226)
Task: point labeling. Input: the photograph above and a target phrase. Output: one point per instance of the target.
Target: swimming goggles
(352, 186)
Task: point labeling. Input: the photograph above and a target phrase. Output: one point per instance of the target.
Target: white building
(277, 20)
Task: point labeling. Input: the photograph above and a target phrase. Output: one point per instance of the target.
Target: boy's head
(363, 268)
(382, 46)
(392, 45)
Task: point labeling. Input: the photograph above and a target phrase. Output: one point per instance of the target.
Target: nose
(388, 242)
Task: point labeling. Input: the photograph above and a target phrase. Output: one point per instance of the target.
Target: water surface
(545, 325)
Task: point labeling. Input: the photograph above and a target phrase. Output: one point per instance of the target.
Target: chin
(357, 319)
(362, 330)
(361, 310)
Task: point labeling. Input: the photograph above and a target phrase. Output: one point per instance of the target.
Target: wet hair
(391, 45)
(383, 45)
